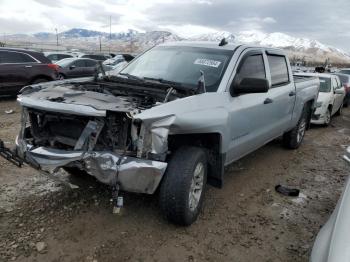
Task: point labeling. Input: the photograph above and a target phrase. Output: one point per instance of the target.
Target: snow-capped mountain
(277, 39)
(282, 40)
(216, 37)
(89, 39)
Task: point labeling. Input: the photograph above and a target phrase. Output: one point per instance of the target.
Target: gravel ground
(42, 219)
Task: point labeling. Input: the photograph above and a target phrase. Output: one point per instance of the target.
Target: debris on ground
(287, 191)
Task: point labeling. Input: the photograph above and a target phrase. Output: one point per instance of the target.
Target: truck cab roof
(215, 45)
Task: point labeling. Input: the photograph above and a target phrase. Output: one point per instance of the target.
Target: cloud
(323, 20)
(15, 26)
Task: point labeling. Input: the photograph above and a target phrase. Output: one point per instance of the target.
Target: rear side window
(15, 57)
(252, 67)
(79, 63)
(62, 56)
(52, 57)
(90, 63)
(278, 69)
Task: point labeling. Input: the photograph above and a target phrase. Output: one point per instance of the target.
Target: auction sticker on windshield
(207, 62)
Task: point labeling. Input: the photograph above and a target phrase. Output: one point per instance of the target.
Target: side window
(251, 67)
(28, 59)
(62, 56)
(79, 63)
(52, 57)
(278, 69)
(334, 83)
(338, 82)
(14, 57)
(90, 63)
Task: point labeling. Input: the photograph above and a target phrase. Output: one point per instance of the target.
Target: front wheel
(60, 77)
(340, 110)
(182, 189)
(328, 117)
(294, 138)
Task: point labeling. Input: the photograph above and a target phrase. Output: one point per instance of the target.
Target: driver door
(249, 116)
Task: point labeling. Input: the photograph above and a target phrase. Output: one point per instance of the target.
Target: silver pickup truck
(172, 119)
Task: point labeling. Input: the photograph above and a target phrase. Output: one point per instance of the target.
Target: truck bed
(305, 81)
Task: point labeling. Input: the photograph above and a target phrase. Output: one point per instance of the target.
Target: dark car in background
(20, 67)
(97, 57)
(56, 56)
(76, 67)
(345, 79)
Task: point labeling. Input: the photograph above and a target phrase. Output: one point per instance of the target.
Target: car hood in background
(333, 241)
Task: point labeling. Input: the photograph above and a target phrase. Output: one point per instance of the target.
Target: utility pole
(56, 39)
(110, 33)
(100, 44)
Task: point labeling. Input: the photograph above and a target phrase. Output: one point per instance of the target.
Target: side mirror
(249, 85)
(72, 67)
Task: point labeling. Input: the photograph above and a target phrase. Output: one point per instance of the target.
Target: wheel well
(40, 77)
(211, 143)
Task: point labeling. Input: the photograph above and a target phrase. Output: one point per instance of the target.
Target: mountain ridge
(146, 39)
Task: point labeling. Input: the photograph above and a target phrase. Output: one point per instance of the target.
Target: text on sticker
(207, 62)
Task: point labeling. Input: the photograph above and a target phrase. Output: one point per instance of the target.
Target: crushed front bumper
(132, 174)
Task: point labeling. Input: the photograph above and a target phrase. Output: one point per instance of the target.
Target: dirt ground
(42, 219)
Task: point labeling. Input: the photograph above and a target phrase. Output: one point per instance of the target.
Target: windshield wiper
(163, 81)
(132, 77)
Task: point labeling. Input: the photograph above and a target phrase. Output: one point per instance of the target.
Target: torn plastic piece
(287, 191)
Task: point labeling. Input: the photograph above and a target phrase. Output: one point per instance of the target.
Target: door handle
(292, 93)
(28, 66)
(268, 101)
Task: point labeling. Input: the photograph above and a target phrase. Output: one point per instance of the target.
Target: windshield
(325, 85)
(182, 65)
(65, 62)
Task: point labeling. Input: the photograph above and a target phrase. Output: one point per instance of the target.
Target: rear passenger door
(281, 93)
(77, 68)
(90, 66)
(15, 69)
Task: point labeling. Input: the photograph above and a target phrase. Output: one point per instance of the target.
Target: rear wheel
(328, 117)
(294, 138)
(182, 189)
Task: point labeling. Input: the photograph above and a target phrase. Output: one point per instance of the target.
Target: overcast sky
(324, 20)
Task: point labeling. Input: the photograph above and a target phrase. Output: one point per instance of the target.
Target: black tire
(346, 102)
(339, 112)
(61, 77)
(39, 80)
(294, 137)
(327, 122)
(175, 190)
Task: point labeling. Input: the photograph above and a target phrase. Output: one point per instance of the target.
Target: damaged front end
(103, 138)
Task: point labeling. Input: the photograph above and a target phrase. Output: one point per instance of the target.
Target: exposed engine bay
(93, 126)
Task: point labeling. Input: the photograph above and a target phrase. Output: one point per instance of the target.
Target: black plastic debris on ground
(287, 191)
